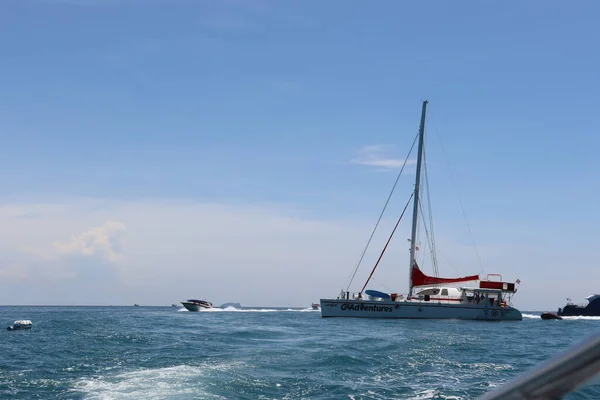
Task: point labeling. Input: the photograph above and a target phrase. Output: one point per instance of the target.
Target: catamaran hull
(416, 310)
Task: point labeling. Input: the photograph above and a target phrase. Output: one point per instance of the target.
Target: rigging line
(421, 253)
(449, 262)
(429, 234)
(351, 279)
(429, 242)
(422, 260)
(433, 245)
(457, 195)
(427, 237)
(382, 284)
(388, 242)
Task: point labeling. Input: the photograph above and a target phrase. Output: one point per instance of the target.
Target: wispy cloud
(106, 241)
(379, 156)
(27, 215)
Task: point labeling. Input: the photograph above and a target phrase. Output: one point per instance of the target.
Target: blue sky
(268, 104)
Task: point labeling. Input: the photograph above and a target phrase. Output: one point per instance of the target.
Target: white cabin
(455, 295)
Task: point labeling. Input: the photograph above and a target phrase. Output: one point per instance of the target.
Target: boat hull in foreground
(416, 310)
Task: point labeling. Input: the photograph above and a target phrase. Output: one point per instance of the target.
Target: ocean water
(167, 353)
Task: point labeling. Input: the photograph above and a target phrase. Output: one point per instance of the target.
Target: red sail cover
(420, 279)
(506, 286)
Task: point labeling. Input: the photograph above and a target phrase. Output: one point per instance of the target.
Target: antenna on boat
(415, 220)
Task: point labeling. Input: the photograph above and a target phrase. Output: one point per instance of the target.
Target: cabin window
(444, 292)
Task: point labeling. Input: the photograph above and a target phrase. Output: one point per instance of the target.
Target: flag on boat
(518, 280)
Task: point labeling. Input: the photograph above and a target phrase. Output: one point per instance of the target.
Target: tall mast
(415, 220)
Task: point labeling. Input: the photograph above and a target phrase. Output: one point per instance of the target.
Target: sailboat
(429, 297)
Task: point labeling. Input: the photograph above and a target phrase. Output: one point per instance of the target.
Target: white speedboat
(196, 305)
(429, 297)
(20, 325)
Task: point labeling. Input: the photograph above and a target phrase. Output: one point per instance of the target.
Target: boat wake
(160, 383)
(252, 310)
(582, 317)
(579, 317)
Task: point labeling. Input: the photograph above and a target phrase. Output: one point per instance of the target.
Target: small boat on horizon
(196, 305)
(316, 306)
(20, 324)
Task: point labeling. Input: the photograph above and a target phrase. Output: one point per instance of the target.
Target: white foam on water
(537, 316)
(160, 383)
(420, 395)
(582, 317)
(309, 309)
(432, 394)
(490, 366)
(231, 309)
(249, 310)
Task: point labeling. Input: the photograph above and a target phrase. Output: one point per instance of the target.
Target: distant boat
(20, 325)
(136, 305)
(429, 297)
(173, 305)
(592, 309)
(549, 315)
(196, 305)
(315, 306)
